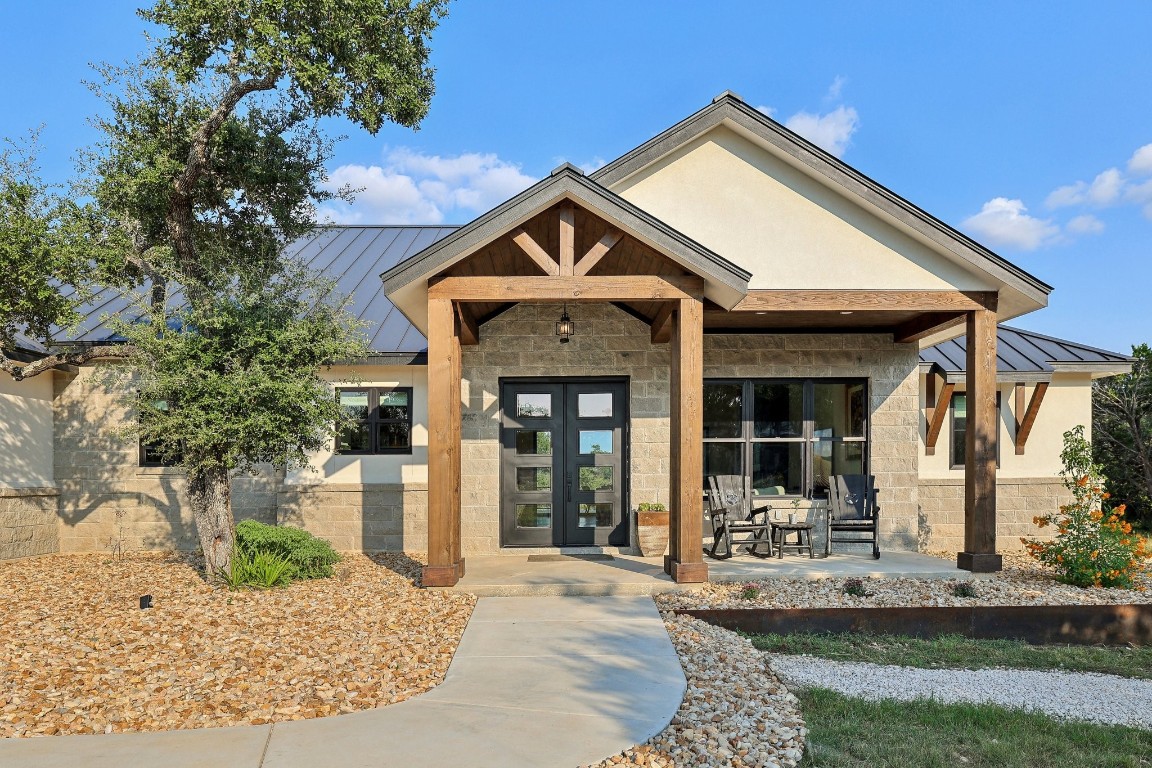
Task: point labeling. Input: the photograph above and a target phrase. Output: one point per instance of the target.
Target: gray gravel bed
(1093, 697)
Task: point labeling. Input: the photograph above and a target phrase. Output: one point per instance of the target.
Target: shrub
(855, 587)
(264, 570)
(750, 591)
(1093, 547)
(651, 506)
(308, 557)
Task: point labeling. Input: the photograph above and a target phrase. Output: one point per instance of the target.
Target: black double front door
(564, 462)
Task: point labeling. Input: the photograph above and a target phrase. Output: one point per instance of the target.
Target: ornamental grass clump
(308, 557)
(1093, 546)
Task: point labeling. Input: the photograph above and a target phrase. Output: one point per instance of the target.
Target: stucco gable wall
(788, 229)
(26, 432)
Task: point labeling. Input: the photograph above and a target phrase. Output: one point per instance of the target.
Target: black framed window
(383, 417)
(959, 439)
(786, 436)
(150, 455)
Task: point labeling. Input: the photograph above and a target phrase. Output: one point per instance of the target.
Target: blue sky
(1020, 123)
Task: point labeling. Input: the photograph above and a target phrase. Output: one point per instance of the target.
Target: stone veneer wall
(359, 518)
(1018, 500)
(28, 522)
(608, 342)
(892, 371)
(106, 497)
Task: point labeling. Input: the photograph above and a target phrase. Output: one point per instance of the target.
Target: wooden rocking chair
(852, 508)
(729, 513)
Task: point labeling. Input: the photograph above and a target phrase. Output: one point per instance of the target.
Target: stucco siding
(26, 433)
(787, 228)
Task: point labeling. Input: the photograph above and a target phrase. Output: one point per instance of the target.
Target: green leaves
(364, 59)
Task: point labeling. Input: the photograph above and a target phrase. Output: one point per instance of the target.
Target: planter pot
(650, 533)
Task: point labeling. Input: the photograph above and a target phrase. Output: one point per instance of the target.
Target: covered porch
(568, 241)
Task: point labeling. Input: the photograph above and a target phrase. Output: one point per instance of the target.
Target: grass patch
(926, 734)
(954, 651)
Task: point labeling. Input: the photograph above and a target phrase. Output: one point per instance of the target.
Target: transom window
(383, 417)
(786, 436)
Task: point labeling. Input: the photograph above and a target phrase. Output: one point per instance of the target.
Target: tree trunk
(210, 494)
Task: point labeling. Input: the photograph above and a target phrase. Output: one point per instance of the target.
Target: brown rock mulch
(77, 655)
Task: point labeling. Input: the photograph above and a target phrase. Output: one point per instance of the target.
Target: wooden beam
(567, 238)
(521, 237)
(783, 300)
(469, 328)
(936, 416)
(979, 553)
(443, 446)
(571, 289)
(925, 325)
(687, 444)
(598, 251)
(1024, 425)
(662, 323)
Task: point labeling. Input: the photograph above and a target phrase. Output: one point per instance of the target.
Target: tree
(1122, 430)
(211, 160)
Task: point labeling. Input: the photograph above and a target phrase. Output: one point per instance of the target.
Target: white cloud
(1006, 223)
(831, 132)
(1085, 225)
(1104, 190)
(770, 111)
(1141, 161)
(414, 188)
(834, 90)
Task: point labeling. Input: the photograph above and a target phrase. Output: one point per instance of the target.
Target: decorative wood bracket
(521, 237)
(598, 251)
(1024, 424)
(662, 324)
(936, 411)
(469, 328)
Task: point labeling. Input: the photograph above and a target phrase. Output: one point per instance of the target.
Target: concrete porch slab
(509, 575)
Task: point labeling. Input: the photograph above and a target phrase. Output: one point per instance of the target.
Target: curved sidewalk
(536, 681)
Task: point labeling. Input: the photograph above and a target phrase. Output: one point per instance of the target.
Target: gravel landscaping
(1104, 699)
(78, 655)
(1022, 582)
(735, 711)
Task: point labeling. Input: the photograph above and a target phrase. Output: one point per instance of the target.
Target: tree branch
(23, 370)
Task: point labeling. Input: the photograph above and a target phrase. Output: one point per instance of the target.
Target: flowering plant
(1093, 547)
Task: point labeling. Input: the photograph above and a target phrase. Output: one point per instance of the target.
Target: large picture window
(383, 417)
(787, 436)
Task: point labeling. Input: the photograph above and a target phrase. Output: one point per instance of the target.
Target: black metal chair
(852, 508)
(729, 512)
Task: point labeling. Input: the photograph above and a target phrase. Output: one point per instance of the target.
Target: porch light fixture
(565, 327)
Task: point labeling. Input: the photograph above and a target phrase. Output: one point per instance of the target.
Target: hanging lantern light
(565, 327)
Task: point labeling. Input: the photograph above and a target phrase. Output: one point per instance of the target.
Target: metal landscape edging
(1128, 624)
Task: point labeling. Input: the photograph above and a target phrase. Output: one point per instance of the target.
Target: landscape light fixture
(565, 327)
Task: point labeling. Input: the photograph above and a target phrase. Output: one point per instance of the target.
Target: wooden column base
(689, 573)
(668, 564)
(979, 562)
(442, 575)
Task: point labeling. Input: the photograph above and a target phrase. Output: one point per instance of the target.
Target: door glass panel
(533, 515)
(595, 515)
(778, 409)
(723, 409)
(533, 442)
(534, 405)
(533, 478)
(777, 466)
(834, 458)
(354, 403)
(595, 441)
(839, 410)
(594, 405)
(595, 478)
(722, 459)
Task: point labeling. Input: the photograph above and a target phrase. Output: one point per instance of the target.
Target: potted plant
(650, 534)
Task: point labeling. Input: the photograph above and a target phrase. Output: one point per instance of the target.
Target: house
(725, 298)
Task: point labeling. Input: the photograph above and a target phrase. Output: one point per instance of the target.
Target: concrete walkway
(541, 681)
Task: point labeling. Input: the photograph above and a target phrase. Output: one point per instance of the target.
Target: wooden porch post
(686, 559)
(445, 566)
(979, 553)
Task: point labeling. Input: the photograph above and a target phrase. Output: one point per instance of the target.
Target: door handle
(568, 482)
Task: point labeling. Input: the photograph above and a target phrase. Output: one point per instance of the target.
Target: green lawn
(924, 734)
(962, 653)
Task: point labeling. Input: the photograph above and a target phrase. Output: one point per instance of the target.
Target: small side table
(781, 531)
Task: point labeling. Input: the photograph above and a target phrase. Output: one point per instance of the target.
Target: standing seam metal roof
(1020, 351)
